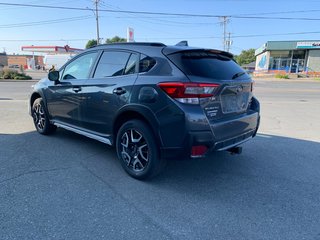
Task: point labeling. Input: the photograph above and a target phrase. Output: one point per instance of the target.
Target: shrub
(8, 74)
(12, 74)
(22, 77)
(282, 76)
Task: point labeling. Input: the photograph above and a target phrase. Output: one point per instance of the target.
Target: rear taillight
(198, 151)
(188, 92)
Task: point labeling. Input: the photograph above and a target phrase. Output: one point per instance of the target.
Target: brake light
(188, 92)
(198, 151)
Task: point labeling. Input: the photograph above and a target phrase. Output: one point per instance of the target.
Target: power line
(43, 40)
(276, 18)
(161, 13)
(37, 1)
(157, 20)
(274, 34)
(28, 24)
(239, 36)
(173, 38)
(282, 12)
(143, 19)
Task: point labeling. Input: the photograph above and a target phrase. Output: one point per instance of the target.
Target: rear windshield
(205, 64)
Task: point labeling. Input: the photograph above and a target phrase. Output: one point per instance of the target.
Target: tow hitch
(235, 150)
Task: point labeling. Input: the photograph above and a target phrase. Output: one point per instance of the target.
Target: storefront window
(280, 64)
(289, 61)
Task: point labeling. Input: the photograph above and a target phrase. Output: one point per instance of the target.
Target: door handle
(76, 89)
(119, 91)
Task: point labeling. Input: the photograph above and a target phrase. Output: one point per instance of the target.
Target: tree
(91, 43)
(246, 56)
(115, 39)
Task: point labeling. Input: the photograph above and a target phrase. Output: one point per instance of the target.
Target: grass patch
(282, 76)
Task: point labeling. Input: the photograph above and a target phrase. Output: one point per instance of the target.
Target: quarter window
(146, 63)
(80, 67)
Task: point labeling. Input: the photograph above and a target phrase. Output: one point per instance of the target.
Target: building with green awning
(289, 56)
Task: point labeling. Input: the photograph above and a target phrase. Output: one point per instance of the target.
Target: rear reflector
(198, 151)
(188, 92)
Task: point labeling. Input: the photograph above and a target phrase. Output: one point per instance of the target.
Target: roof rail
(153, 44)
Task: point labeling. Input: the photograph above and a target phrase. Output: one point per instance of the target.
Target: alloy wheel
(134, 150)
(39, 116)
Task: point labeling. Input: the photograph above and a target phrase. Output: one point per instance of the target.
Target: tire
(40, 118)
(137, 150)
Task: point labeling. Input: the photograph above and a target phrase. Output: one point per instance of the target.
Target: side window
(111, 64)
(131, 64)
(80, 67)
(146, 63)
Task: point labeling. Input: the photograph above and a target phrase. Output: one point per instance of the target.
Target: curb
(306, 80)
(12, 80)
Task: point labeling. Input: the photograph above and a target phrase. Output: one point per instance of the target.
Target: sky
(250, 23)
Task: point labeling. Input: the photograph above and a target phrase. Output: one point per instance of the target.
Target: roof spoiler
(182, 43)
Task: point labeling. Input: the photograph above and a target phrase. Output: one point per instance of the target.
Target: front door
(64, 99)
(297, 65)
(294, 66)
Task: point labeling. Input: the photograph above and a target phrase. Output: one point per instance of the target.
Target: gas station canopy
(51, 49)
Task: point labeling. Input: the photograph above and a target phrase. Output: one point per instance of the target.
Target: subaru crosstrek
(151, 101)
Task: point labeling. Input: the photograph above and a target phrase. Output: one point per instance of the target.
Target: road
(66, 186)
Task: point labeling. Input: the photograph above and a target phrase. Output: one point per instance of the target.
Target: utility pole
(229, 42)
(224, 22)
(97, 21)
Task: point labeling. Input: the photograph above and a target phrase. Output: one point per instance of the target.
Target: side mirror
(53, 76)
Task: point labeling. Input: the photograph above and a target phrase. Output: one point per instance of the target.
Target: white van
(56, 60)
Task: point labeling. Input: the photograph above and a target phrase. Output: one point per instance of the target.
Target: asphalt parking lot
(66, 186)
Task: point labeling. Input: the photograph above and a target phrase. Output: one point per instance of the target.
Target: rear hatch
(234, 93)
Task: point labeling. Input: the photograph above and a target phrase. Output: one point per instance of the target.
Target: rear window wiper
(239, 74)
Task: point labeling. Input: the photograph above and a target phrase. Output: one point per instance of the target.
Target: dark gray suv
(151, 101)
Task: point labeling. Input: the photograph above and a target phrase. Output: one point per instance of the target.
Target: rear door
(109, 89)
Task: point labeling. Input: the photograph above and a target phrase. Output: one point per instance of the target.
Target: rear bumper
(232, 142)
(223, 135)
(233, 132)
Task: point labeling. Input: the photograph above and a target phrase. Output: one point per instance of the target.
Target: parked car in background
(150, 101)
(14, 66)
